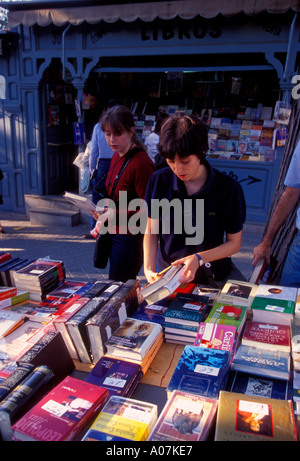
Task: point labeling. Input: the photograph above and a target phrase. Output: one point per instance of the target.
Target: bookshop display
(228, 360)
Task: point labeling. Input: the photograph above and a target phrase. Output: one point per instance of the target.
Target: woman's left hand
(191, 264)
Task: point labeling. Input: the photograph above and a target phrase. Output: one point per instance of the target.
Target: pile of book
(40, 277)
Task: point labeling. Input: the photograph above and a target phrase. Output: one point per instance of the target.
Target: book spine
(9, 384)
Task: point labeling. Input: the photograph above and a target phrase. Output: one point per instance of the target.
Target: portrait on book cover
(254, 418)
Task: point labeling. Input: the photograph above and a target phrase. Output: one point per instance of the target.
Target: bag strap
(134, 151)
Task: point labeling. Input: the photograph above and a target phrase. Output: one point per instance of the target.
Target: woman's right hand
(150, 275)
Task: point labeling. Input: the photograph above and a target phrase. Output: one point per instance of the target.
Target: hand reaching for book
(191, 264)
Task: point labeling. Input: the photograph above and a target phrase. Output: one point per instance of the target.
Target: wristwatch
(201, 262)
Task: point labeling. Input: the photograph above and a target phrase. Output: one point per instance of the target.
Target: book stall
(167, 362)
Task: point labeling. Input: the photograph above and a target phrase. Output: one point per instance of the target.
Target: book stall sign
(78, 133)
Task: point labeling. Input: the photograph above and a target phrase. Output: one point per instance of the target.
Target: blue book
(118, 376)
(261, 386)
(275, 364)
(153, 312)
(200, 371)
(187, 309)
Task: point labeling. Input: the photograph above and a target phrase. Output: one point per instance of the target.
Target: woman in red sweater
(126, 234)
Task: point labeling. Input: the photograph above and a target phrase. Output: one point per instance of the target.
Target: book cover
(33, 310)
(123, 301)
(223, 314)
(200, 371)
(267, 336)
(237, 292)
(18, 341)
(247, 383)
(66, 290)
(185, 417)
(216, 336)
(15, 378)
(187, 309)
(126, 418)
(262, 362)
(242, 417)
(7, 292)
(133, 338)
(153, 312)
(115, 375)
(259, 272)
(63, 413)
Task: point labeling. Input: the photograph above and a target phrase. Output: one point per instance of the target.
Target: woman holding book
(126, 243)
(209, 204)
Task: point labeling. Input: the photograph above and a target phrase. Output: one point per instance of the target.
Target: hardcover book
(187, 309)
(237, 292)
(223, 314)
(123, 417)
(216, 336)
(66, 290)
(185, 417)
(63, 413)
(242, 417)
(18, 298)
(262, 362)
(267, 336)
(246, 383)
(200, 371)
(133, 339)
(273, 303)
(15, 378)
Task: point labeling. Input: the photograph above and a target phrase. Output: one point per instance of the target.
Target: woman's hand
(191, 264)
(150, 275)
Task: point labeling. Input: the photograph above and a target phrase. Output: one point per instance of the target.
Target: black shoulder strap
(132, 153)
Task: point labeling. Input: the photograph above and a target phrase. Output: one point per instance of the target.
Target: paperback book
(118, 376)
(273, 303)
(223, 314)
(250, 384)
(242, 417)
(262, 362)
(63, 413)
(215, 336)
(7, 292)
(200, 371)
(168, 282)
(16, 299)
(237, 292)
(185, 417)
(124, 418)
(187, 309)
(8, 322)
(267, 336)
(133, 339)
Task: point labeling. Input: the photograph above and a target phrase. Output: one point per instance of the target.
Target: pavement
(24, 240)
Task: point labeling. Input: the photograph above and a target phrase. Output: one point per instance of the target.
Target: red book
(267, 336)
(7, 292)
(63, 413)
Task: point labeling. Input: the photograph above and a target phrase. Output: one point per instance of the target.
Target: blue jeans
(290, 276)
(103, 167)
(126, 256)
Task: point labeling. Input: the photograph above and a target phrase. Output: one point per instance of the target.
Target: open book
(83, 203)
(168, 282)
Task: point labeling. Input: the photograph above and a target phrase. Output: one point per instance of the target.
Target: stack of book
(40, 278)
(135, 341)
(200, 371)
(216, 336)
(295, 357)
(227, 314)
(8, 270)
(118, 376)
(183, 317)
(19, 297)
(238, 293)
(123, 419)
(274, 302)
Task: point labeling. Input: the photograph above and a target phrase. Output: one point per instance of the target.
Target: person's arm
(231, 246)
(150, 245)
(282, 210)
